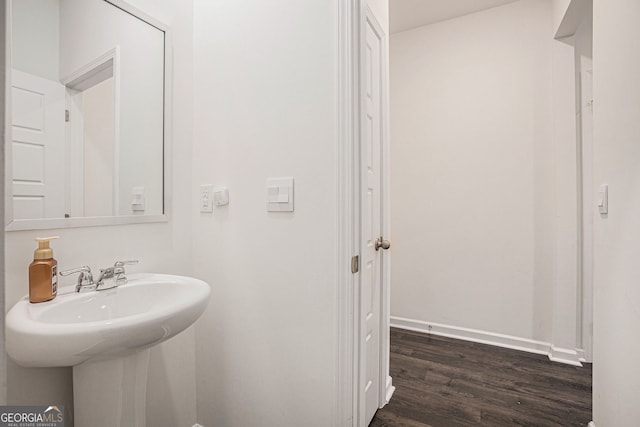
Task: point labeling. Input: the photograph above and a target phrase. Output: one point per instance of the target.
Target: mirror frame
(53, 223)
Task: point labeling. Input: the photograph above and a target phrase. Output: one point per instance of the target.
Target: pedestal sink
(105, 336)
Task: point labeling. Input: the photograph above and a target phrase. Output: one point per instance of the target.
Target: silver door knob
(381, 243)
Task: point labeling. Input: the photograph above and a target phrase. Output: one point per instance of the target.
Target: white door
(37, 147)
(371, 209)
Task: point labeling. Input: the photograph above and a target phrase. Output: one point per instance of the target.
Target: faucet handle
(85, 279)
(118, 267)
(118, 271)
(84, 271)
(123, 263)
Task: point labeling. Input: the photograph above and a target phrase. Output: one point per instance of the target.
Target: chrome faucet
(110, 277)
(85, 279)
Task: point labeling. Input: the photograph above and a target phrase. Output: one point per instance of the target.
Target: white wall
(35, 37)
(266, 107)
(164, 247)
(616, 64)
(98, 138)
(473, 172)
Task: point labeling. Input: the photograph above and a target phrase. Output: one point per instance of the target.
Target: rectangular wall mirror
(87, 104)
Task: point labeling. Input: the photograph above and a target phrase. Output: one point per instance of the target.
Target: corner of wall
(559, 9)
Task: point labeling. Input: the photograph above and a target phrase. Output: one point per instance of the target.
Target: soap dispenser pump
(43, 272)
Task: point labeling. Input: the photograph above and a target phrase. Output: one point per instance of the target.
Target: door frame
(587, 211)
(74, 129)
(5, 129)
(352, 21)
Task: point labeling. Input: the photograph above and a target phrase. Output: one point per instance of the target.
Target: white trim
(167, 153)
(8, 118)
(474, 335)
(74, 175)
(347, 131)
(92, 68)
(140, 14)
(115, 195)
(491, 338)
(564, 355)
(51, 223)
(358, 31)
(591, 424)
(587, 205)
(5, 79)
(197, 425)
(389, 389)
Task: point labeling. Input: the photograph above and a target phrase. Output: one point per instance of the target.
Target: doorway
(374, 222)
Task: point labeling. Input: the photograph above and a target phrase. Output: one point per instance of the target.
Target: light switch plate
(220, 196)
(206, 198)
(138, 199)
(603, 199)
(280, 194)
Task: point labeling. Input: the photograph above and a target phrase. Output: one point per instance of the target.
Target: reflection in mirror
(88, 113)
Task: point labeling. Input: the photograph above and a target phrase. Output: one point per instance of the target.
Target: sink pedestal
(112, 392)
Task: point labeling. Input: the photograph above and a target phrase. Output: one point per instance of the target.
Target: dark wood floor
(443, 382)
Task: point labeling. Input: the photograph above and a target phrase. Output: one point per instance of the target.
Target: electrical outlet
(206, 198)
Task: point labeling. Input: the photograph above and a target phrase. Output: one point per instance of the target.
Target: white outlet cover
(206, 198)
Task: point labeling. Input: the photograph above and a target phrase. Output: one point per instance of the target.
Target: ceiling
(407, 14)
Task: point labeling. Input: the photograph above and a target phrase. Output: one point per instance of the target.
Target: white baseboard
(197, 425)
(390, 390)
(490, 338)
(591, 424)
(564, 355)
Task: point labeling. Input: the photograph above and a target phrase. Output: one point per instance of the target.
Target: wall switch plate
(280, 194)
(206, 198)
(220, 196)
(603, 199)
(138, 199)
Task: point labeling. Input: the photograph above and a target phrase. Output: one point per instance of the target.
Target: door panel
(371, 275)
(37, 147)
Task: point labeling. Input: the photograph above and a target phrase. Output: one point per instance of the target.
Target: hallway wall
(616, 65)
(474, 174)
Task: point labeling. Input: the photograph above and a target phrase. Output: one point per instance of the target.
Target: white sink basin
(78, 327)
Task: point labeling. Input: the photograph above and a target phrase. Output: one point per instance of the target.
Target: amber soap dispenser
(43, 272)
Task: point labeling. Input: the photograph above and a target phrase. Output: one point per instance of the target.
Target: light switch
(137, 199)
(280, 194)
(206, 198)
(603, 199)
(220, 196)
